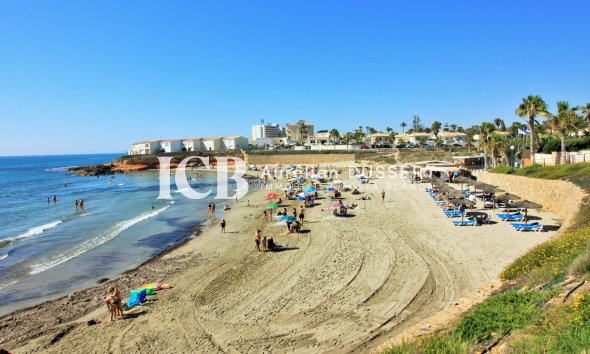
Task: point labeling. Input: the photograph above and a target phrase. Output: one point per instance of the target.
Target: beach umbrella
(461, 201)
(303, 194)
(462, 179)
(272, 206)
(288, 218)
(526, 204)
(310, 189)
(507, 197)
(271, 196)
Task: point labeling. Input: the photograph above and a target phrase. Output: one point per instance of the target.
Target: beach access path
(344, 285)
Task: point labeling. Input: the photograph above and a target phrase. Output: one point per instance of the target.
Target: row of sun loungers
(516, 218)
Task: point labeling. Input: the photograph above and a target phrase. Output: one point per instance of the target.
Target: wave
(33, 231)
(56, 169)
(3, 256)
(8, 283)
(94, 242)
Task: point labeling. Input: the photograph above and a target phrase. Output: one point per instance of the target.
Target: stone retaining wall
(298, 159)
(556, 196)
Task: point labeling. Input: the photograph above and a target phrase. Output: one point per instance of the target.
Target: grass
(442, 343)
(501, 313)
(563, 329)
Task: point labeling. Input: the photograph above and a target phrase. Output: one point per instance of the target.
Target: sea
(49, 249)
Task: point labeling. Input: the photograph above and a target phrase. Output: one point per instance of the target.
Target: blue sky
(94, 76)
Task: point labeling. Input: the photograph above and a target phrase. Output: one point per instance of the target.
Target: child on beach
(264, 216)
(264, 244)
(222, 224)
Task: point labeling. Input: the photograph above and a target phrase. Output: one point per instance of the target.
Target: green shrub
(442, 343)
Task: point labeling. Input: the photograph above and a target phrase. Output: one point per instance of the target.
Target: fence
(554, 158)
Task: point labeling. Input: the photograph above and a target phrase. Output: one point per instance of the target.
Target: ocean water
(48, 249)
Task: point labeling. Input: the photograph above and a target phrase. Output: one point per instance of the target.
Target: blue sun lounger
(511, 217)
(467, 222)
(527, 227)
(452, 214)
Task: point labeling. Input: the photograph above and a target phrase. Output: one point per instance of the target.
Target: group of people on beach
(114, 303)
(263, 243)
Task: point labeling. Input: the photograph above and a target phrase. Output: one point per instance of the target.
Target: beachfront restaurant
(434, 169)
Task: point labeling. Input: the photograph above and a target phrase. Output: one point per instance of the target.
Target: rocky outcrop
(93, 170)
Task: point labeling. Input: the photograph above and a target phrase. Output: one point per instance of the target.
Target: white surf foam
(3, 256)
(37, 230)
(8, 283)
(94, 242)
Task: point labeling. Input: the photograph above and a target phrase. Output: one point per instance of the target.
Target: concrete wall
(298, 159)
(558, 197)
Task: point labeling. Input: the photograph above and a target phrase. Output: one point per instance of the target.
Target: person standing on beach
(222, 224)
(301, 216)
(383, 196)
(257, 240)
(264, 244)
(264, 216)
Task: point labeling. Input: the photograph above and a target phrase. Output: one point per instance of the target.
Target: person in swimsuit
(264, 244)
(301, 216)
(257, 240)
(116, 302)
(222, 224)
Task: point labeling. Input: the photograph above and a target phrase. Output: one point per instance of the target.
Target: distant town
(302, 135)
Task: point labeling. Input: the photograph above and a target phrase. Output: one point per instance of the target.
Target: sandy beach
(343, 285)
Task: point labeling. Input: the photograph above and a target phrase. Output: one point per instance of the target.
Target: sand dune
(345, 285)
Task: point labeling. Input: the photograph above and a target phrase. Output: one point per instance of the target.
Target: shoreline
(88, 298)
(80, 303)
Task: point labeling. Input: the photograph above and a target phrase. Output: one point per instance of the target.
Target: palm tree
(388, 130)
(348, 136)
(498, 123)
(531, 107)
(302, 131)
(391, 138)
(333, 134)
(453, 127)
(435, 129)
(497, 144)
(564, 122)
(403, 125)
(585, 110)
(485, 132)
